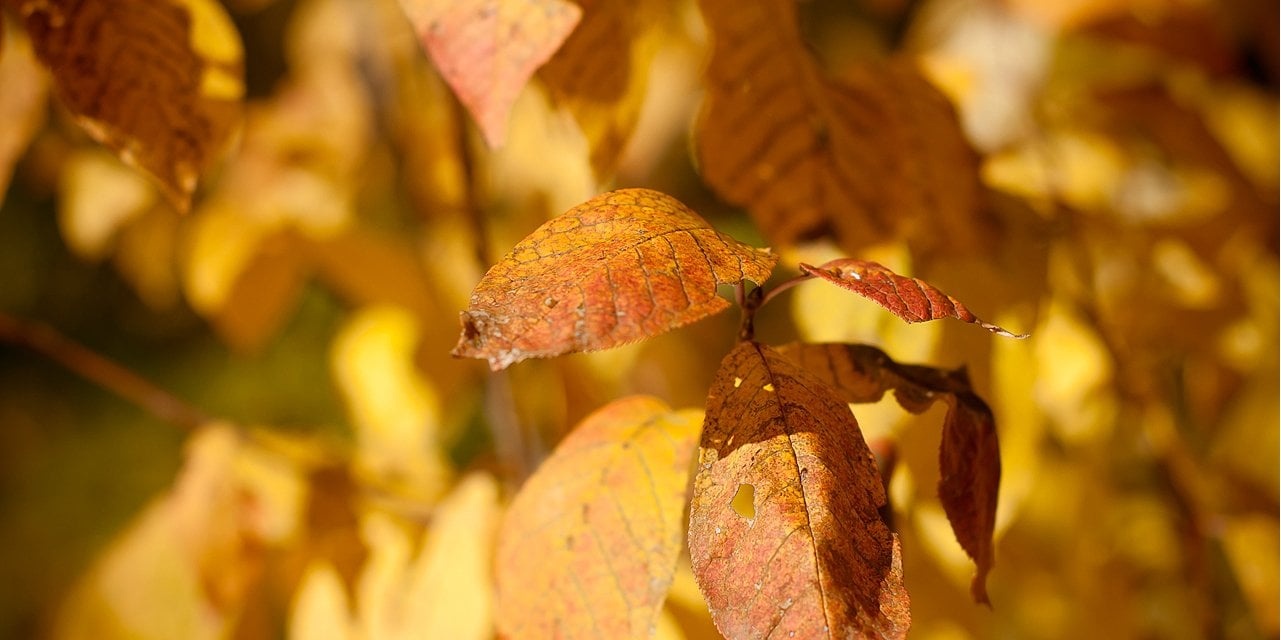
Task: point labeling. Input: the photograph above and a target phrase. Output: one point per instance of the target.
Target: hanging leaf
(625, 265)
(157, 81)
(785, 532)
(911, 299)
(969, 455)
(589, 545)
(487, 49)
(876, 154)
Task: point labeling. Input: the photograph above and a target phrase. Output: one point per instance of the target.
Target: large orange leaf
(969, 455)
(487, 49)
(622, 266)
(589, 545)
(157, 81)
(785, 532)
(875, 154)
(911, 299)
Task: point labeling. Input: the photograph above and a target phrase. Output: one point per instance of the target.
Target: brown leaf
(599, 74)
(877, 154)
(158, 82)
(809, 557)
(487, 49)
(22, 102)
(911, 299)
(589, 545)
(969, 455)
(623, 266)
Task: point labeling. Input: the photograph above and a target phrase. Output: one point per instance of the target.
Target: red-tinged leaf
(810, 557)
(911, 299)
(625, 265)
(589, 546)
(969, 455)
(487, 49)
(157, 81)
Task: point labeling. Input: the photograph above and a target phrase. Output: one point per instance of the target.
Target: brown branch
(44, 340)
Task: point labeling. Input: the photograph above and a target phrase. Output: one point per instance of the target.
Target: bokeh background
(298, 454)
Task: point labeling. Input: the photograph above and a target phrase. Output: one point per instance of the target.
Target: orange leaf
(22, 102)
(589, 545)
(623, 266)
(969, 455)
(785, 532)
(911, 299)
(877, 154)
(158, 82)
(487, 49)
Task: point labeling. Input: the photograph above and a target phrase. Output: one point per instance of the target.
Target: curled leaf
(589, 546)
(969, 454)
(157, 81)
(625, 265)
(487, 49)
(911, 299)
(785, 532)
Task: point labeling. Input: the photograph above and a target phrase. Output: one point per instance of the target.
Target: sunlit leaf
(159, 83)
(589, 545)
(22, 103)
(785, 531)
(969, 455)
(911, 299)
(622, 266)
(875, 154)
(487, 49)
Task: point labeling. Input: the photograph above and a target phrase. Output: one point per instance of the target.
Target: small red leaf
(969, 454)
(487, 49)
(623, 266)
(911, 299)
(785, 533)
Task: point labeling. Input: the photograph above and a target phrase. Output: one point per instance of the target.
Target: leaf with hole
(911, 299)
(623, 266)
(969, 454)
(589, 546)
(785, 531)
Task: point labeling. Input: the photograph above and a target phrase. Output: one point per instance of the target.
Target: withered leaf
(157, 81)
(811, 556)
(589, 546)
(969, 455)
(911, 299)
(487, 49)
(622, 266)
(876, 154)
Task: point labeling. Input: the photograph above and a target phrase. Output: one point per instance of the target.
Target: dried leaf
(487, 49)
(877, 154)
(589, 545)
(911, 299)
(969, 455)
(159, 83)
(625, 265)
(808, 555)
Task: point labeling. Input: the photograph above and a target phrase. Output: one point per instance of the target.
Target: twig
(784, 286)
(99, 370)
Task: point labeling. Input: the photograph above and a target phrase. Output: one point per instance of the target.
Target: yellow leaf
(98, 195)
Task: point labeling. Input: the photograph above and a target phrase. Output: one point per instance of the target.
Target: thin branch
(97, 369)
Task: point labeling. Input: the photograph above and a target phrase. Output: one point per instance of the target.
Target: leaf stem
(784, 286)
(46, 341)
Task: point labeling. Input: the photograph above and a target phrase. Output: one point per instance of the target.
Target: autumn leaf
(158, 82)
(487, 49)
(22, 103)
(785, 532)
(911, 299)
(876, 154)
(969, 455)
(622, 266)
(589, 545)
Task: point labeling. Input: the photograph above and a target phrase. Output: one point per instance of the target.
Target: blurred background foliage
(349, 478)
